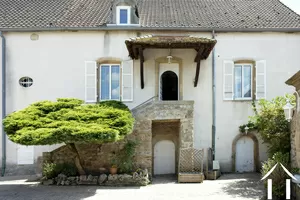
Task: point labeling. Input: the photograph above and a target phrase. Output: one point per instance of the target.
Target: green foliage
(51, 170)
(278, 176)
(125, 157)
(69, 121)
(114, 104)
(270, 122)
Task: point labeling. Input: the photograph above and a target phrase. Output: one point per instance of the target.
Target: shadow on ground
(243, 185)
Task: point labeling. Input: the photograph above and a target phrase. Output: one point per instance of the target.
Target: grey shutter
(228, 86)
(127, 80)
(261, 88)
(90, 81)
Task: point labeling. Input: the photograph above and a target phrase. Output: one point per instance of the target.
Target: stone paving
(228, 186)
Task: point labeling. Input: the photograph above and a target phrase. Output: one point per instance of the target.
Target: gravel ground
(228, 186)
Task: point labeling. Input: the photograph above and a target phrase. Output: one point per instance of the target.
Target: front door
(169, 81)
(244, 155)
(164, 157)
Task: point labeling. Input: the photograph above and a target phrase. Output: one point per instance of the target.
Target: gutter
(3, 103)
(213, 134)
(136, 28)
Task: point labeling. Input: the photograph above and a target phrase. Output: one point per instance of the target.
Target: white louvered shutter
(228, 87)
(261, 88)
(127, 80)
(90, 81)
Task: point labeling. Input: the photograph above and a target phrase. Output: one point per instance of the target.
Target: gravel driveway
(228, 186)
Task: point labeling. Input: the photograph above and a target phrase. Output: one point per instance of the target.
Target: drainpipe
(3, 103)
(213, 134)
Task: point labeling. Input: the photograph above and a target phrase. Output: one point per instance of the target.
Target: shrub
(278, 176)
(51, 170)
(125, 157)
(269, 120)
(69, 121)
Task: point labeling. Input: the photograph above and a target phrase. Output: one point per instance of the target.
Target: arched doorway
(169, 86)
(164, 157)
(245, 153)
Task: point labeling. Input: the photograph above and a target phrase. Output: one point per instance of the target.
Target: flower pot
(113, 170)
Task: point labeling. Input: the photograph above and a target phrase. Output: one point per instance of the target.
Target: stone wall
(295, 139)
(96, 157)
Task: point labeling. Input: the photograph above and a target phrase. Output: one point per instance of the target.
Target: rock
(112, 177)
(125, 178)
(48, 182)
(90, 178)
(67, 182)
(102, 178)
(135, 176)
(82, 178)
(62, 176)
(62, 182)
(71, 178)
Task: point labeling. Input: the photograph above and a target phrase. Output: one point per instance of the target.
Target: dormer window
(123, 15)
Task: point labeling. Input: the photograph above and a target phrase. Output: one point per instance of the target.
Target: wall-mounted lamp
(288, 110)
(169, 57)
(246, 129)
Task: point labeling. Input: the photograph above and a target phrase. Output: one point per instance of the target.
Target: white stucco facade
(56, 63)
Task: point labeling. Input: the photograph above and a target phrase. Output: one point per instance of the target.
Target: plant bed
(140, 178)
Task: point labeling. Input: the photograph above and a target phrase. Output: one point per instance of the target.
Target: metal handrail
(145, 102)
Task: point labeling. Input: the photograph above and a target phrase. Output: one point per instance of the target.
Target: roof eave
(135, 28)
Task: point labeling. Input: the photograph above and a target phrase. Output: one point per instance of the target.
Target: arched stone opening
(169, 86)
(255, 150)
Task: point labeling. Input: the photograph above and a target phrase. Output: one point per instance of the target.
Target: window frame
(252, 75)
(99, 80)
(119, 8)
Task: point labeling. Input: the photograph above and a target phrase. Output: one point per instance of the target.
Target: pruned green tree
(71, 122)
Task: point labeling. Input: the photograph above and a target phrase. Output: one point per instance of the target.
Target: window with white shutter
(127, 80)
(261, 79)
(228, 87)
(90, 81)
(238, 83)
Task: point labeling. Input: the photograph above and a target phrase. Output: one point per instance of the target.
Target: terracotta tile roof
(231, 14)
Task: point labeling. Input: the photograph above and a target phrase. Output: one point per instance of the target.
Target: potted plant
(114, 167)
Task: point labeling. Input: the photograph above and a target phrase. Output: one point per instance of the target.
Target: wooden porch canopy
(203, 47)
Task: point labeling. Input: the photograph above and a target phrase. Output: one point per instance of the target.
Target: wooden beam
(199, 54)
(141, 67)
(135, 52)
(197, 74)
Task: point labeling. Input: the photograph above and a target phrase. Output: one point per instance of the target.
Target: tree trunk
(77, 160)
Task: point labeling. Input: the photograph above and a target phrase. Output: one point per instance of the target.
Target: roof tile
(153, 13)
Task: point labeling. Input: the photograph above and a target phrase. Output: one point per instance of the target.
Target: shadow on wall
(247, 185)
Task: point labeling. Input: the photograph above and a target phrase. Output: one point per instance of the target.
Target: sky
(293, 4)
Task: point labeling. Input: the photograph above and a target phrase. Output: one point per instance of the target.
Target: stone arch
(169, 86)
(255, 149)
(109, 60)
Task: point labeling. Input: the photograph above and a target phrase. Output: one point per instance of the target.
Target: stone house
(189, 70)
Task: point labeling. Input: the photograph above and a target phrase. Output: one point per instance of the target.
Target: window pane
(123, 16)
(247, 81)
(238, 81)
(115, 82)
(104, 82)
